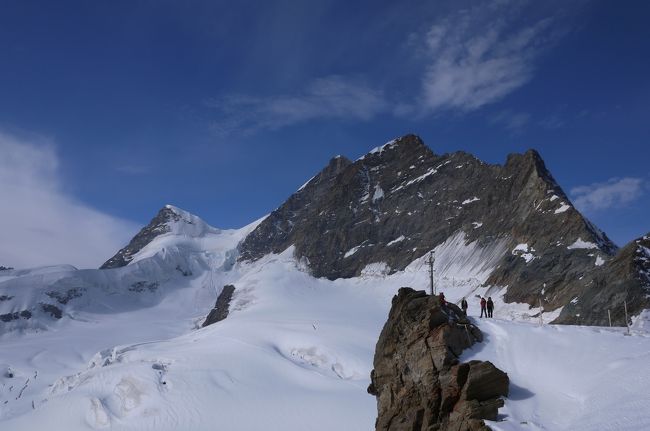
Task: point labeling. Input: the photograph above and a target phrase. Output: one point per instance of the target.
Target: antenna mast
(430, 261)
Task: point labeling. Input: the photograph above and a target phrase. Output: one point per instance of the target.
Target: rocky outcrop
(401, 201)
(16, 315)
(417, 378)
(157, 226)
(623, 280)
(221, 307)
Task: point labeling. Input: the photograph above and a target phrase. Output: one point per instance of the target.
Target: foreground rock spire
(418, 379)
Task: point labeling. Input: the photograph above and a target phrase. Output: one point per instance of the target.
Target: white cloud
(333, 97)
(478, 56)
(466, 59)
(612, 193)
(41, 224)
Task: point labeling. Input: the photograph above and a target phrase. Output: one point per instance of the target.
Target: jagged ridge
(401, 200)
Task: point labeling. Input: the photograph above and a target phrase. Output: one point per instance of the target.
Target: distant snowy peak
(181, 222)
(169, 220)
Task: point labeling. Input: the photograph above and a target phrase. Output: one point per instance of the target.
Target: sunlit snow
(295, 352)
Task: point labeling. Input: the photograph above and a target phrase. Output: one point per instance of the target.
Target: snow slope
(295, 353)
(569, 377)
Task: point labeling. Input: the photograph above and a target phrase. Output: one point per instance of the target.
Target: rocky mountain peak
(401, 201)
(407, 145)
(333, 168)
(531, 167)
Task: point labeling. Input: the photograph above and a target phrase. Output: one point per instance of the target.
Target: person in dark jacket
(490, 306)
(463, 305)
(483, 305)
(441, 298)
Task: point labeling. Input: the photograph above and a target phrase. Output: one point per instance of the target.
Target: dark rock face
(417, 378)
(144, 286)
(625, 278)
(157, 227)
(277, 232)
(401, 200)
(67, 296)
(8, 317)
(52, 310)
(221, 308)
(5, 268)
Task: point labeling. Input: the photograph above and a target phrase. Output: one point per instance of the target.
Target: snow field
(569, 377)
(296, 352)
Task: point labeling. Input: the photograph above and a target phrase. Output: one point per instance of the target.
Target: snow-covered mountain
(122, 348)
(180, 248)
(170, 222)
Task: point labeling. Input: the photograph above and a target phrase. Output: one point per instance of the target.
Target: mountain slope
(298, 350)
(623, 279)
(401, 201)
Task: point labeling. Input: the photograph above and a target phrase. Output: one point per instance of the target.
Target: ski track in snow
(296, 352)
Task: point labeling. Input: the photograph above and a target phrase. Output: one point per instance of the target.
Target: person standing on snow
(490, 306)
(483, 305)
(463, 305)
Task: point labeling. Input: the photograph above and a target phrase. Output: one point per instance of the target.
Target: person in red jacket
(483, 307)
(441, 298)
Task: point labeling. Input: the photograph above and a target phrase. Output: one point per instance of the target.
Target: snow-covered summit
(170, 220)
(185, 223)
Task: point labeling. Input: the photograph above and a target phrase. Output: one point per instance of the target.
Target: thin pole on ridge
(430, 262)
(609, 316)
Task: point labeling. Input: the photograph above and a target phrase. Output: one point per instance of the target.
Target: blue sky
(225, 108)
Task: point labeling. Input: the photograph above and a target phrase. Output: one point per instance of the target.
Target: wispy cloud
(518, 122)
(552, 122)
(332, 97)
(478, 56)
(466, 59)
(514, 122)
(41, 224)
(612, 193)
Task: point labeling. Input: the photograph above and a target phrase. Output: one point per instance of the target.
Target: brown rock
(417, 378)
